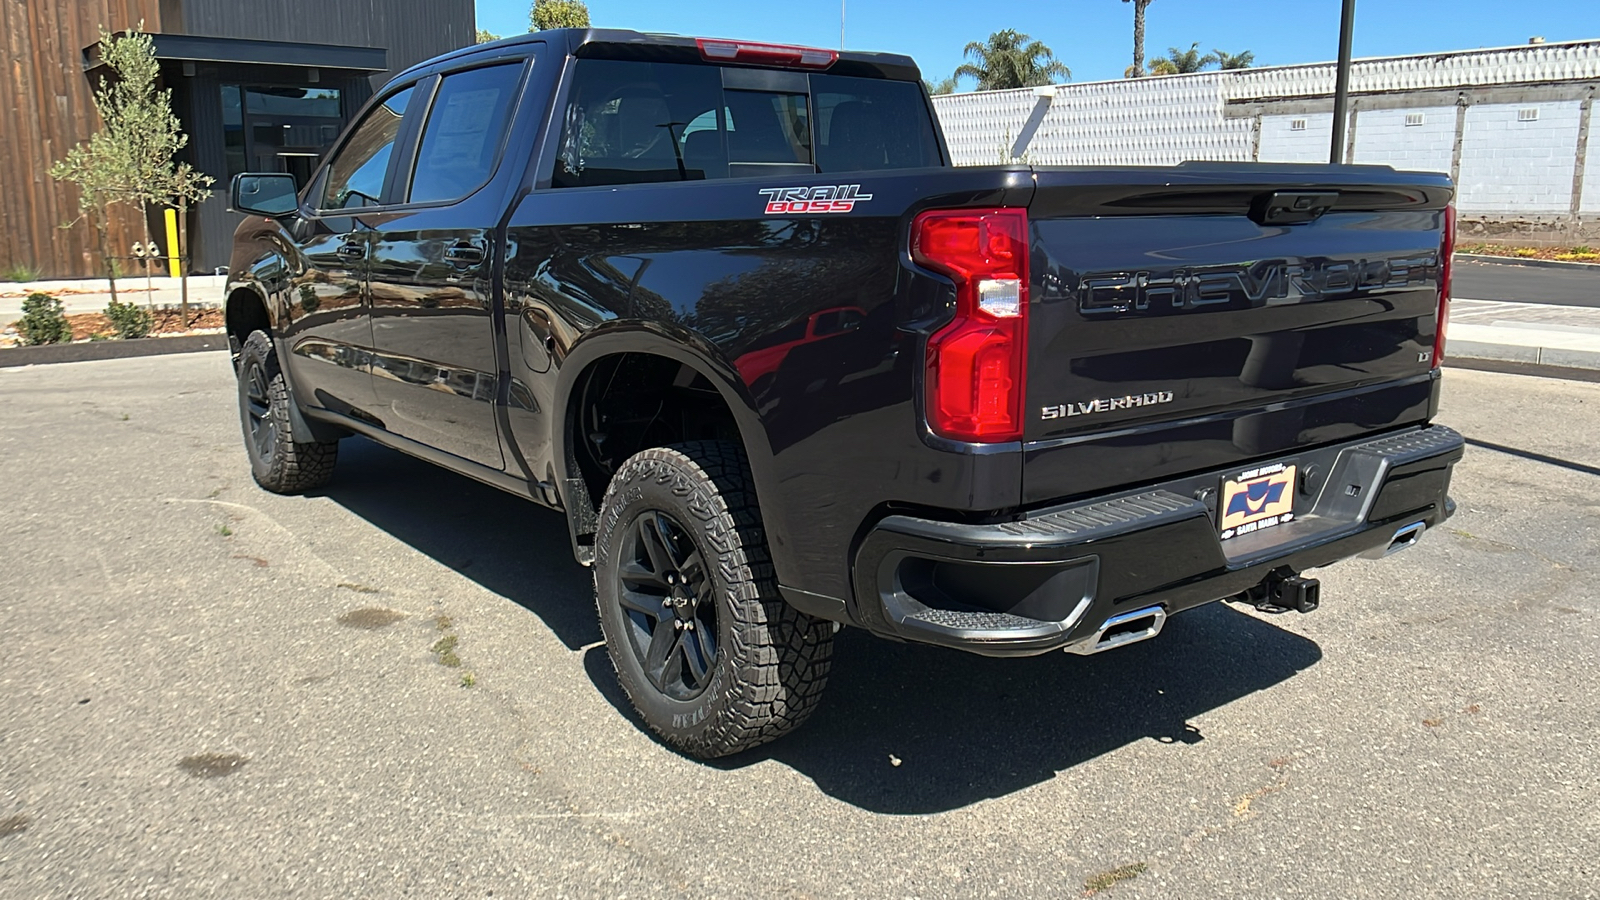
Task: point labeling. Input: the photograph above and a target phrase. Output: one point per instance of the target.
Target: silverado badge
(1106, 404)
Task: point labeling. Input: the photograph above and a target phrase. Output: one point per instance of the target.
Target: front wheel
(710, 655)
(277, 462)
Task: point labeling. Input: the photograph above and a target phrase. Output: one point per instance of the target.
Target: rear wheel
(710, 655)
(277, 462)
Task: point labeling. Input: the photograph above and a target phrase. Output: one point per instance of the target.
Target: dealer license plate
(1257, 498)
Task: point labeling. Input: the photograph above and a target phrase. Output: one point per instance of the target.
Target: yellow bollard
(173, 266)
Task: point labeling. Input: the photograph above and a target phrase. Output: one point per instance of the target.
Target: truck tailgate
(1208, 314)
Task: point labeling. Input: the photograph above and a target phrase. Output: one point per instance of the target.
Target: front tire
(277, 462)
(712, 658)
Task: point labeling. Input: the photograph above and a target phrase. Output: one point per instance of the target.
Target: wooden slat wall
(46, 106)
(411, 30)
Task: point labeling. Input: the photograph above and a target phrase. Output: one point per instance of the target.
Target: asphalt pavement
(211, 691)
(1527, 284)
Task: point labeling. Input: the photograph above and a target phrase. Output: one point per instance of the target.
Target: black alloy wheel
(667, 600)
(260, 429)
(278, 462)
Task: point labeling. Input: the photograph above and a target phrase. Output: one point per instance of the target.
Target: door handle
(464, 253)
(352, 250)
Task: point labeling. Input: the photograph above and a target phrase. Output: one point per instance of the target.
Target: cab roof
(614, 43)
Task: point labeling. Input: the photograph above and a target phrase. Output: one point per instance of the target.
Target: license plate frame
(1256, 499)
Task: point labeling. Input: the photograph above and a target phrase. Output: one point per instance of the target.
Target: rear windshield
(637, 122)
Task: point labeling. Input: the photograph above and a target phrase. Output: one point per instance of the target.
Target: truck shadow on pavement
(963, 727)
(510, 546)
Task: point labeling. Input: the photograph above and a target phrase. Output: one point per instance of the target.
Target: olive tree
(132, 158)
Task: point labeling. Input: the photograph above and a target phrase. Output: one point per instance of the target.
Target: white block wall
(1512, 167)
(1384, 139)
(1508, 167)
(1281, 143)
(1591, 170)
(1150, 122)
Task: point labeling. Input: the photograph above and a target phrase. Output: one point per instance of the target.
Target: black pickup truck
(730, 309)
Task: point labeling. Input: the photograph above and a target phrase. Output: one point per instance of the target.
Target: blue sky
(1094, 37)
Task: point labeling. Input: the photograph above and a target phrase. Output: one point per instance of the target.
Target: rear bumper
(1057, 577)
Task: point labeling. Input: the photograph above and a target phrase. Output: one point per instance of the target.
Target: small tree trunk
(103, 225)
(181, 251)
(149, 285)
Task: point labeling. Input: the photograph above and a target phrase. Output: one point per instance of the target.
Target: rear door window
(462, 137)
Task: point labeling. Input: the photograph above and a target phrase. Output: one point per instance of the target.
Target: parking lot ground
(207, 690)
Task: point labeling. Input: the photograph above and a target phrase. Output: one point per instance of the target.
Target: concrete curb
(93, 350)
(1514, 368)
(1535, 263)
(1523, 354)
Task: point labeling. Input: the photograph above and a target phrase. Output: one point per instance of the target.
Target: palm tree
(1182, 62)
(1228, 60)
(1010, 59)
(1137, 70)
(945, 86)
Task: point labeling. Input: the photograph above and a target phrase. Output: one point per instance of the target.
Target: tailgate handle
(1292, 207)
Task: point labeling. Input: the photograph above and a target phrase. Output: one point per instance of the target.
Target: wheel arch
(609, 345)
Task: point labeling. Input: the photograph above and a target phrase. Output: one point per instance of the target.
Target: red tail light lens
(1447, 250)
(977, 365)
(713, 50)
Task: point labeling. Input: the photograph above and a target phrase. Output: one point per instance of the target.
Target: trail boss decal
(1106, 404)
(825, 198)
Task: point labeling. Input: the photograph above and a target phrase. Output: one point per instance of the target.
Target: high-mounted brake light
(977, 365)
(714, 50)
(1447, 249)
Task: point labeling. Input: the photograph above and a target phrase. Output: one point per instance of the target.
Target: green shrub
(43, 321)
(129, 320)
(20, 272)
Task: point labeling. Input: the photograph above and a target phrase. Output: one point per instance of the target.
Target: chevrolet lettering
(628, 289)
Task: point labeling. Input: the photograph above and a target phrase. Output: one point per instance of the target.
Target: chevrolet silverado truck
(730, 309)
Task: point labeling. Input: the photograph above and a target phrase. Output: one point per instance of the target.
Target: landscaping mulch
(167, 322)
(1558, 254)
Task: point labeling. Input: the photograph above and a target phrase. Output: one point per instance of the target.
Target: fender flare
(655, 339)
(305, 430)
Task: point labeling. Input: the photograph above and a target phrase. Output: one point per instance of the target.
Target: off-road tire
(771, 661)
(277, 462)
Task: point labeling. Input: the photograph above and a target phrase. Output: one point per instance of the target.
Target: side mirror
(269, 194)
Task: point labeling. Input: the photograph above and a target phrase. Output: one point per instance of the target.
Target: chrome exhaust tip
(1402, 539)
(1121, 630)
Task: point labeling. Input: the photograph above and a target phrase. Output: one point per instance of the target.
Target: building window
(233, 145)
(1528, 115)
(1415, 119)
(1297, 124)
(279, 128)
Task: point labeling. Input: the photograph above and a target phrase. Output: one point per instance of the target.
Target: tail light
(713, 50)
(976, 374)
(1447, 250)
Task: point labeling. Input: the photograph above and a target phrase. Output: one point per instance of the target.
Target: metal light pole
(1341, 90)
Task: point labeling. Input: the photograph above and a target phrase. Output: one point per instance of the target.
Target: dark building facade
(259, 85)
